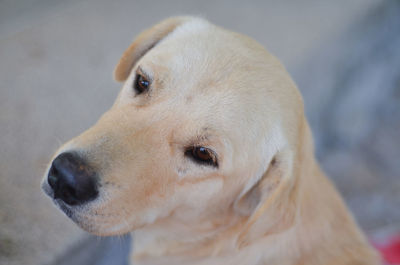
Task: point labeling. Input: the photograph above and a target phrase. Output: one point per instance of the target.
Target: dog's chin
(98, 229)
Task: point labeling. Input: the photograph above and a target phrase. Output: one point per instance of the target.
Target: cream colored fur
(268, 202)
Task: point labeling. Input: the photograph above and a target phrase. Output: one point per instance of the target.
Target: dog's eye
(141, 84)
(202, 155)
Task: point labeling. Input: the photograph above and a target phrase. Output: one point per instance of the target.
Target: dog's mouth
(58, 202)
(65, 208)
(82, 215)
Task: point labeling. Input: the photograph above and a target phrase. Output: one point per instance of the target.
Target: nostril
(52, 180)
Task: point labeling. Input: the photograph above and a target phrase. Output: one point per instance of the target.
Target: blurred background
(56, 63)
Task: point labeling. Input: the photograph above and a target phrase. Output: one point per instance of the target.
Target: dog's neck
(200, 244)
(313, 225)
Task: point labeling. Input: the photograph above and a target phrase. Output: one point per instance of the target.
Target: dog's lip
(58, 202)
(64, 207)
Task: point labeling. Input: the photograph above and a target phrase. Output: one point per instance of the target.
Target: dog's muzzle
(72, 180)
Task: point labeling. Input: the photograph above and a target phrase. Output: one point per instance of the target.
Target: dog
(207, 157)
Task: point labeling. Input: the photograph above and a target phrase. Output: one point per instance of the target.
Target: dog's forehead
(201, 55)
(226, 77)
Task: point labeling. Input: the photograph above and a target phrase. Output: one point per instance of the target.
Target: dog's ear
(268, 202)
(261, 195)
(143, 43)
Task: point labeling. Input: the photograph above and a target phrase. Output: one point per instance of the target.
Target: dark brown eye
(141, 84)
(202, 155)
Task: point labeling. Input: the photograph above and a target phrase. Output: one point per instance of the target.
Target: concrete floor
(56, 62)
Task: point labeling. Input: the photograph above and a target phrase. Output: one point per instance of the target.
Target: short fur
(267, 202)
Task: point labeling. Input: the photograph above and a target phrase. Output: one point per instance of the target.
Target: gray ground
(56, 60)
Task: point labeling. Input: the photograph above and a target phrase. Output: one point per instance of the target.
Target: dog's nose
(72, 180)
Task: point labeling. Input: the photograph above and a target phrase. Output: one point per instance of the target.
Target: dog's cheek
(194, 198)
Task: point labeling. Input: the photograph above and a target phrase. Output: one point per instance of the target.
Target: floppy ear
(143, 43)
(268, 201)
(264, 193)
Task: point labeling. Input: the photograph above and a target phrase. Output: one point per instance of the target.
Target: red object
(390, 250)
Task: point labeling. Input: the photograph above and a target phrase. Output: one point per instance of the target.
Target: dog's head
(205, 124)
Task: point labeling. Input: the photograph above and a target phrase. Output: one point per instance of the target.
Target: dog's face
(200, 117)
